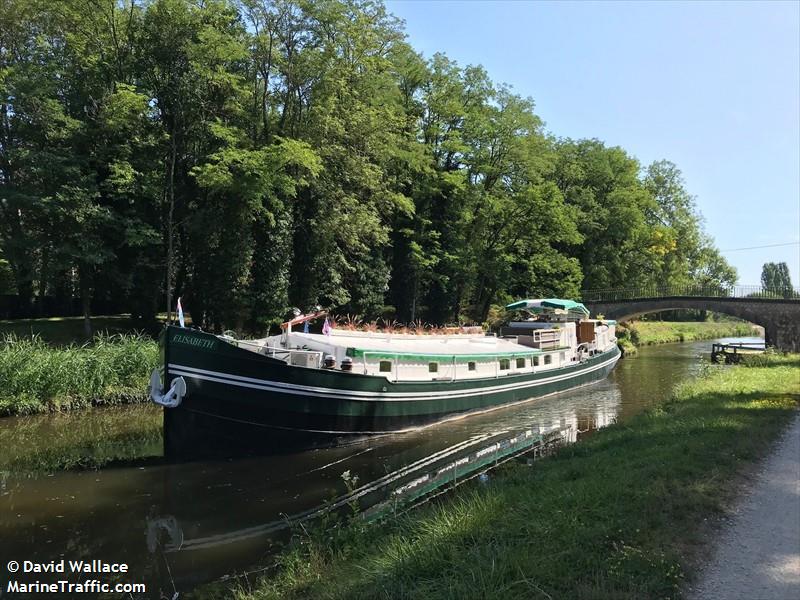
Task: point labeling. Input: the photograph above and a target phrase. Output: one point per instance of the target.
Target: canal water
(180, 525)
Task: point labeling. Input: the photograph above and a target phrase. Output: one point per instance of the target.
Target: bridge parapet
(755, 292)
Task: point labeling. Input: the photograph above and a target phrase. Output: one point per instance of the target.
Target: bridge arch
(779, 318)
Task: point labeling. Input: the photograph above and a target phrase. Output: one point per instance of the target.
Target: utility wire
(757, 247)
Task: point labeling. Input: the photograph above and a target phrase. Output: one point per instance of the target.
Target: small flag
(326, 328)
(180, 312)
(305, 327)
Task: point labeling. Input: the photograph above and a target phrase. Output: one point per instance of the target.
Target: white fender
(173, 529)
(173, 397)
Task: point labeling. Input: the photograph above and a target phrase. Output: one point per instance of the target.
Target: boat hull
(239, 400)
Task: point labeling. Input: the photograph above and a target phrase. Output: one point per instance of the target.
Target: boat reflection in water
(230, 525)
(178, 525)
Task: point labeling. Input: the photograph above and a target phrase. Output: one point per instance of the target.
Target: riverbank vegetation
(40, 378)
(51, 372)
(252, 155)
(645, 333)
(622, 514)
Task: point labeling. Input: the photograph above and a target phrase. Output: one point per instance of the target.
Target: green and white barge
(309, 389)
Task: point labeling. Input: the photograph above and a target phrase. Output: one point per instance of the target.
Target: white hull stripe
(320, 392)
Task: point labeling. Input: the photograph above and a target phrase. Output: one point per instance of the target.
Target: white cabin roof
(425, 347)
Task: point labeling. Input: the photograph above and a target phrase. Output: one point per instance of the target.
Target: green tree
(775, 278)
(687, 255)
(621, 247)
(252, 155)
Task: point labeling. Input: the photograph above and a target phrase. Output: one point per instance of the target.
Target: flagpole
(180, 313)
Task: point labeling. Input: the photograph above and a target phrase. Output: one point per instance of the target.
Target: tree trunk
(487, 304)
(170, 227)
(43, 277)
(86, 302)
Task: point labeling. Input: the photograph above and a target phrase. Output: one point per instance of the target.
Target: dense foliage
(252, 155)
(775, 276)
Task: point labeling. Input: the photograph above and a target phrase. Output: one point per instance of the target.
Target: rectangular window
(433, 367)
(535, 361)
(505, 364)
(520, 363)
(385, 366)
(548, 359)
(470, 366)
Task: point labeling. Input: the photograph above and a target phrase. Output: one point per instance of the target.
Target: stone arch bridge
(777, 311)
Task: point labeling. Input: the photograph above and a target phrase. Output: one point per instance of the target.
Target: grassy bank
(647, 333)
(63, 331)
(619, 515)
(39, 378)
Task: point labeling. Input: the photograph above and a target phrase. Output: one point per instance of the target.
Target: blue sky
(712, 86)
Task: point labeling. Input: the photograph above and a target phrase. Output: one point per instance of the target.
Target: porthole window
(520, 363)
(433, 367)
(385, 366)
(505, 364)
(471, 366)
(548, 359)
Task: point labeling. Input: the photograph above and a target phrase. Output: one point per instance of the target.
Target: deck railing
(690, 291)
(285, 354)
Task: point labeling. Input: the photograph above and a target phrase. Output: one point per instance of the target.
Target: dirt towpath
(757, 556)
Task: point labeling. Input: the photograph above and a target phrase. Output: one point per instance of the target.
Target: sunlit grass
(63, 331)
(39, 378)
(646, 333)
(618, 515)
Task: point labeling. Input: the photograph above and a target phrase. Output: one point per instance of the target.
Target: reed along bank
(39, 378)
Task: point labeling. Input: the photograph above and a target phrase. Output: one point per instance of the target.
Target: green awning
(542, 304)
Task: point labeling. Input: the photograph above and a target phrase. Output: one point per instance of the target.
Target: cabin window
(520, 363)
(505, 364)
(548, 359)
(385, 366)
(535, 360)
(471, 366)
(433, 367)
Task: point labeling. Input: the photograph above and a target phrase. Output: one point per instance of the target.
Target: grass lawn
(67, 330)
(621, 515)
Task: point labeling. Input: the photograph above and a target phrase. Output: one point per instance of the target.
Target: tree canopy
(775, 277)
(254, 155)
